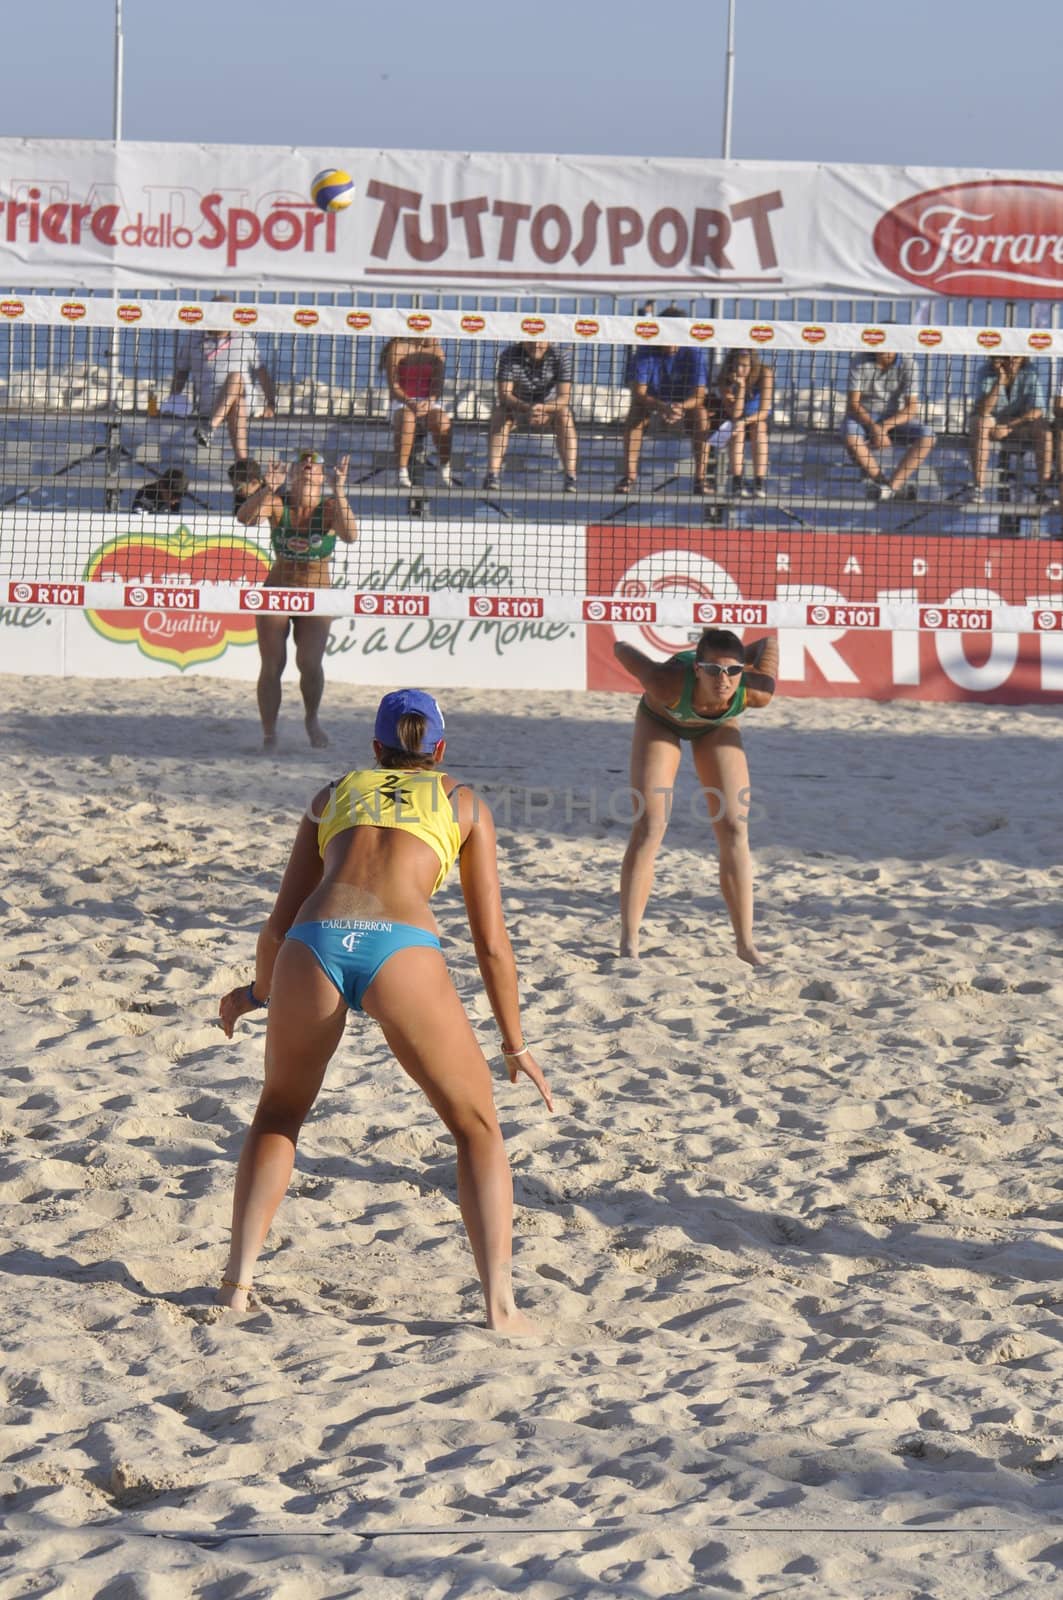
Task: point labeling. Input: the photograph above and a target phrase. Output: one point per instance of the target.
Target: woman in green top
(305, 524)
(696, 695)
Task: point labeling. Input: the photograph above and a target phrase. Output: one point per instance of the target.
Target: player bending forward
(697, 695)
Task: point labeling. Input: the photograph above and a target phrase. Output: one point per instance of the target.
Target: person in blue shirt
(668, 386)
(1010, 409)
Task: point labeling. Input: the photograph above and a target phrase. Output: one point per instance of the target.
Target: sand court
(793, 1234)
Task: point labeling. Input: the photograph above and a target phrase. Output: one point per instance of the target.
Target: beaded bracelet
(511, 1055)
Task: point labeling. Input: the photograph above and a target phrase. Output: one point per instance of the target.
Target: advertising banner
(119, 217)
(900, 618)
(843, 585)
(156, 613)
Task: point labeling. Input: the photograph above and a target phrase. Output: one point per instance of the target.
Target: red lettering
(52, 219)
(15, 209)
(417, 246)
(209, 206)
(511, 215)
(712, 229)
(103, 222)
(624, 227)
(243, 233)
(395, 201)
(667, 217)
(78, 215)
(589, 237)
(283, 229)
(556, 217)
(469, 212)
(757, 210)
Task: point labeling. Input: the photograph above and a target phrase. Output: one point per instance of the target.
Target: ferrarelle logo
(1003, 236)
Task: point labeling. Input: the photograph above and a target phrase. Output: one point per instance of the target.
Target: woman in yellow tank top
(352, 928)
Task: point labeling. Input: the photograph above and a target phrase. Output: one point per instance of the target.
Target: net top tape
(98, 311)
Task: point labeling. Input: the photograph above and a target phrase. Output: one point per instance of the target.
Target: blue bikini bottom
(351, 951)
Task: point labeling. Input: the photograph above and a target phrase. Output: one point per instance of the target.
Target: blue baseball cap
(396, 705)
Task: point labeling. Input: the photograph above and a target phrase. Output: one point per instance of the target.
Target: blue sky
(915, 82)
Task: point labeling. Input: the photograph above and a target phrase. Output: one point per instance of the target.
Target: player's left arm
(762, 667)
(340, 516)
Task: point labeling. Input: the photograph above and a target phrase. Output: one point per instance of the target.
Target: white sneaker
(404, 478)
(444, 474)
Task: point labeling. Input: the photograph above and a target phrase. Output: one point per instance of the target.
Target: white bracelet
(511, 1055)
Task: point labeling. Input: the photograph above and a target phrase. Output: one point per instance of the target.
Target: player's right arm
(482, 892)
(662, 680)
(266, 501)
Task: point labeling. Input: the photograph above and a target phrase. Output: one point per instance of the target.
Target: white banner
(126, 216)
(99, 311)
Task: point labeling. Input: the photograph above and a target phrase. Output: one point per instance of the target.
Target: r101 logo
(953, 617)
(506, 605)
(730, 614)
(287, 601)
(391, 605)
(619, 611)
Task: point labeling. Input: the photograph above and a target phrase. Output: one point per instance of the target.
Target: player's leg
(723, 772)
(273, 653)
(654, 764)
(311, 638)
(433, 1040)
(305, 1024)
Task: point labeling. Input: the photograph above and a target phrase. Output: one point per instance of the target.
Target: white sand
(796, 1234)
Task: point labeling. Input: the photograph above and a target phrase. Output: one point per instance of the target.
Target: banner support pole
(118, 72)
(728, 82)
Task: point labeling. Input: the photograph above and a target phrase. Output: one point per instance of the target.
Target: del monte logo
(996, 237)
(155, 564)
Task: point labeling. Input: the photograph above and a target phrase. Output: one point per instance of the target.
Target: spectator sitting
(669, 384)
(246, 478)
(534, 389)
(414, 369)
(745, 388)
(221, 366)
(1010, 407)
(883, 401)
(162, 496)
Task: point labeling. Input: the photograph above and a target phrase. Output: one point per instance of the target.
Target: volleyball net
(652, 469)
